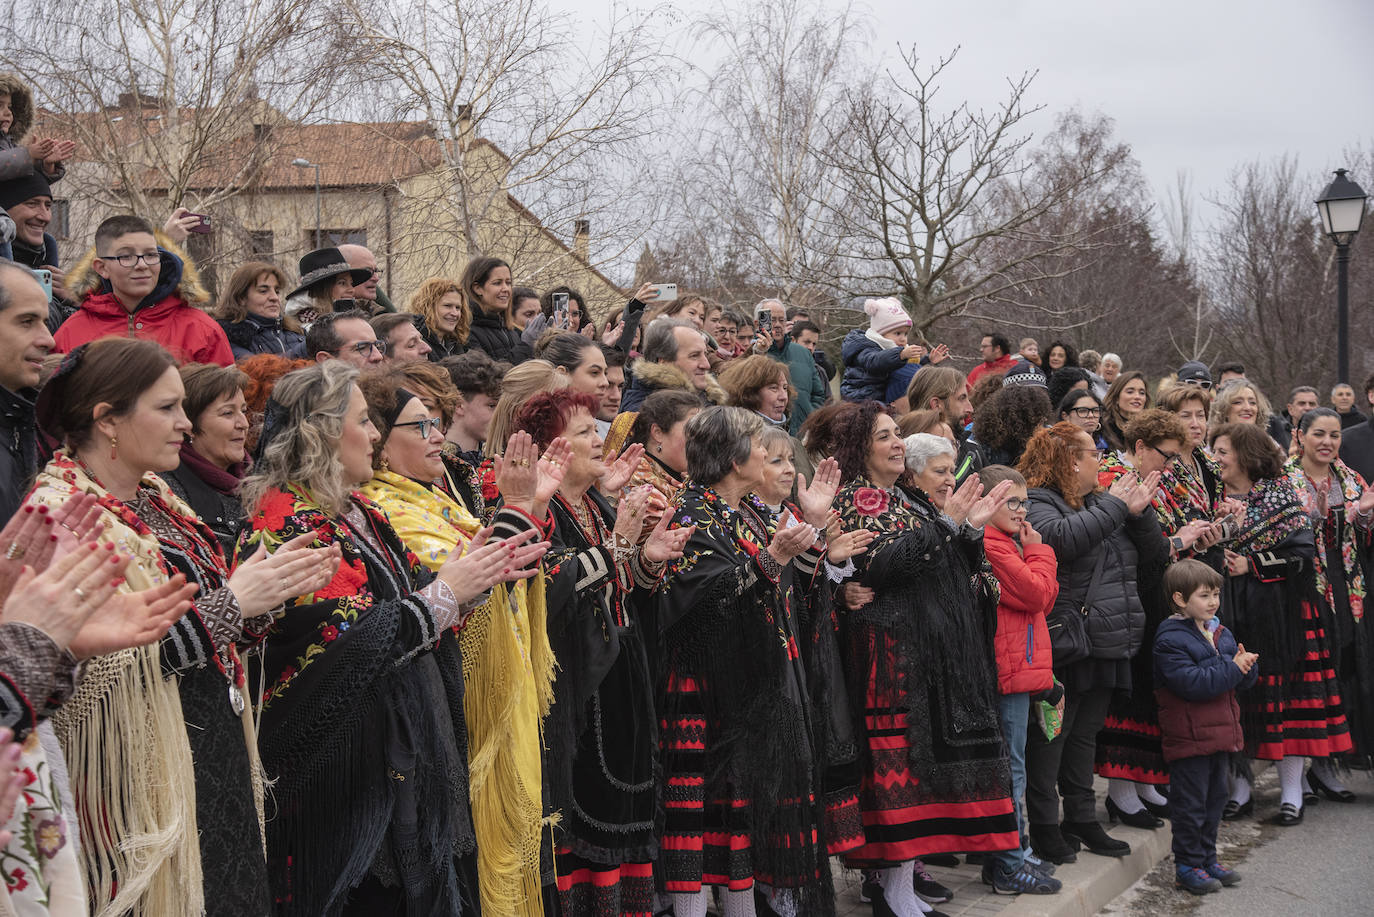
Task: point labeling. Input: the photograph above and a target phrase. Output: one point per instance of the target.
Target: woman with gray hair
(362, 704)
(738, 761)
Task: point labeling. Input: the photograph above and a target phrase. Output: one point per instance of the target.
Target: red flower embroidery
(486, 473)
(349, 581)
(749, 547)
(275, 510)
(30, 777)
(870, 501)
(287, 673)
(329, 634)
(16, 881)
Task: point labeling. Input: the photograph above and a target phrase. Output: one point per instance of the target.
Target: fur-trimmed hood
(82, 279)
(21, 104)
(656, 376)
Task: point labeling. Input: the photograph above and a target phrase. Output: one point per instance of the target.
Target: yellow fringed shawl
(508, 671)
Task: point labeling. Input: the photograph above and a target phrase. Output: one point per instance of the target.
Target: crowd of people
(317, 605)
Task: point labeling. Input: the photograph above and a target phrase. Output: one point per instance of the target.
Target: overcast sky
(1196, 85)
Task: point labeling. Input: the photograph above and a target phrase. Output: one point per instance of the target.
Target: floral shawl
(508, 669)
(1346, 486)
(1273, 513)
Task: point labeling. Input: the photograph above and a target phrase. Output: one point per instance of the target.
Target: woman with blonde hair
(1241, 401)
(444, 319)
(363, 723)
(250, 312)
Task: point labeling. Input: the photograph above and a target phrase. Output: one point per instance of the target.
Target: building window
(333, 238)
(60, 227)
(260, 242)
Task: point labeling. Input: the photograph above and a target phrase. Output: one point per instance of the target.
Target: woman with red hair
(600, 766)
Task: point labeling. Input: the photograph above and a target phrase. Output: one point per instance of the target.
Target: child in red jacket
(1198, 667)
(1028, 574)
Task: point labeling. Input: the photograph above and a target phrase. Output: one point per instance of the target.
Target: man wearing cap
(1024, 372)
(1196, 374)
(28, 202)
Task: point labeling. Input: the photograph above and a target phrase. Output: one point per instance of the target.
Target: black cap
(1193, 371)
(26, 187)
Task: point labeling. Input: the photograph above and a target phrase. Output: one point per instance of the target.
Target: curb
(1094, 880)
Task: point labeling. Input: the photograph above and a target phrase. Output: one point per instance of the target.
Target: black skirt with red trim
(589, 889)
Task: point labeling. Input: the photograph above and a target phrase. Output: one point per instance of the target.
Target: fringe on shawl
(124, 737)
(508, 668)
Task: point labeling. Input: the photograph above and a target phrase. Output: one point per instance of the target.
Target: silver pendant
(236, 699)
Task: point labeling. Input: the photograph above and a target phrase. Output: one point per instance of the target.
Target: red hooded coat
(1029, 587)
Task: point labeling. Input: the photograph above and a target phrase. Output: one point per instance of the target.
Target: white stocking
(1326, 773)
(1123, 793)
(739, 903)
(899, 893)
(1290, 780)
(692, 904)
(1148, 793)
(1240, 789)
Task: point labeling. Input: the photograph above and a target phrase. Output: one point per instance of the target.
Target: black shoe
(1333, 795)
(1155, 809)
(1288, 815)
(1142, 819)
(975, 859)
(1097, 841)
(1234, 810)
(1050, 845)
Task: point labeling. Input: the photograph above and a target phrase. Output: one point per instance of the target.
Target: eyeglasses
(362, 347)
(425, 425)
(1170, 458)
(1015, 503)
(1095, 453)
(1085, 413)
(1200, 383)
(134, 260)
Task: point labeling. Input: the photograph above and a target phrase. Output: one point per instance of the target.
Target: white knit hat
(885, 314)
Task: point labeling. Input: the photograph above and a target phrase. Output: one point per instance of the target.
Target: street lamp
(305, 164)
(1342, 211)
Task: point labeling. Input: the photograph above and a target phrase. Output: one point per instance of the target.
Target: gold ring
(14, 551)
(523, 463)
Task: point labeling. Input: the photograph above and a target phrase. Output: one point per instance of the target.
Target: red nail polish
(94, 545)
(29, 508)
(47, 520)
(109, 546)
(114, 560)
(43, 510)
(52, 537)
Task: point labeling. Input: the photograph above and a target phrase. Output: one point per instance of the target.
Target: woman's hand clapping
(264, 581)
(816, 498)
(486, 563)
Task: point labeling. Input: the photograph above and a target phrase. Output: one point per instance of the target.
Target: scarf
(124, 737)
(1273, 513)
(1343, 497)
(220, 480)
(508, 670)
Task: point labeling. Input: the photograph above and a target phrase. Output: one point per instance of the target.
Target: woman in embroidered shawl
(741, 784)
(362, 712)
(936, 777)
(507, 663)
(1341, 507)
(601, 769)
(164, 769)
(1270, 599)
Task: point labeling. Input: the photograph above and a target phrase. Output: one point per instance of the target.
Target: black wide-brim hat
(324, 263)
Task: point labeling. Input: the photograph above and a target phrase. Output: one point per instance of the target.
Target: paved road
(1323, 867)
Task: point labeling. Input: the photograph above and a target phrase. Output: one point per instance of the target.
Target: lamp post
(305, 164)
(1342, 207)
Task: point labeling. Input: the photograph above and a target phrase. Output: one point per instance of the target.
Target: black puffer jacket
(18, 449)
(256, 334)
(490, 335)
(1102, 528)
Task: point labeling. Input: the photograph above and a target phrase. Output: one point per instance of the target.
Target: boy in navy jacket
(1198, 667)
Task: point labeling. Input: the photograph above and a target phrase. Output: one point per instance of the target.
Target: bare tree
(755, 191)
(928, 191)
(522, 112)
(161, 96)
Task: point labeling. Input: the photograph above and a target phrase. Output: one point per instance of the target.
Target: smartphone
(44, 277)
(1230, 528)
(764, 321)
(560, 310)
(203, 226)
(667, 292)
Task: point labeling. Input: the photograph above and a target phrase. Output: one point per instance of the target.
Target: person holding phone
(776, 343)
